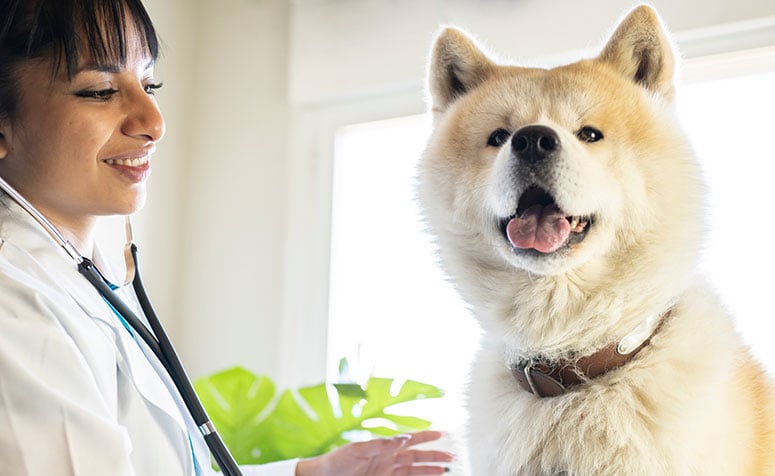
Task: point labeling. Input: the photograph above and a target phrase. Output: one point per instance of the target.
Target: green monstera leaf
(304, 422)
(236, 401)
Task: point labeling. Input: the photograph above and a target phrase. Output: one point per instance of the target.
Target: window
(391, 312)
(729, 121)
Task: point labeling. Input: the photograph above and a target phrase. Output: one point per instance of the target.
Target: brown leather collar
(550, 379)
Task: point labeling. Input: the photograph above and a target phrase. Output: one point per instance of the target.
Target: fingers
(419, 462)
(422, 437)
(406, 458)
(379, 446)
(395, 456)
(420, 470)
(396, 443)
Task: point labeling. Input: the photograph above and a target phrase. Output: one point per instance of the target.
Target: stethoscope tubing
(157, 340)
(222, 456)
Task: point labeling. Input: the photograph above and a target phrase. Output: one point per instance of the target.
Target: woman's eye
(150, 89)
(100, 94)
(498, 137)
(589, 134)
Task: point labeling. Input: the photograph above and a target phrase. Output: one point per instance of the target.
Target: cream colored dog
(568, 211)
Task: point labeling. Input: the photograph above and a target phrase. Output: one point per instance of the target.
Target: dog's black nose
(534, 143)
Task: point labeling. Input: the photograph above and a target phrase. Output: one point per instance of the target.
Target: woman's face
(81, 148)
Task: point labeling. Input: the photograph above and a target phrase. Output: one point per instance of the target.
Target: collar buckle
(551, 379)
(538, 379)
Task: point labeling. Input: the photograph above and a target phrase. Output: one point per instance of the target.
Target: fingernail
(446, 469)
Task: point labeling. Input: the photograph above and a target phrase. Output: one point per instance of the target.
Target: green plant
(259, 427)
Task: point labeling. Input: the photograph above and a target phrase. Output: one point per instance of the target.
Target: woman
(78, 126)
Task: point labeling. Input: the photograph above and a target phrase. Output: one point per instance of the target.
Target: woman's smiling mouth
(137, 162)
(136, 169)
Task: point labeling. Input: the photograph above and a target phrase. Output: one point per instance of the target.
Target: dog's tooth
(574, 223)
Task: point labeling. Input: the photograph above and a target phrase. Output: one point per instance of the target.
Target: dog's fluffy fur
(693, 402)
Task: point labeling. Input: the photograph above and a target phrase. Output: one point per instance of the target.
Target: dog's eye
(589, 134)
(498, 137)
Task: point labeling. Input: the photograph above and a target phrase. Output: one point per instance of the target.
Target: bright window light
(392, 313)
(729, 122)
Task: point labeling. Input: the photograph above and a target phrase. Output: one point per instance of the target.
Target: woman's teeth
(128, 162)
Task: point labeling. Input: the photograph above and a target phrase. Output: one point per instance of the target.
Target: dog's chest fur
(653, 417)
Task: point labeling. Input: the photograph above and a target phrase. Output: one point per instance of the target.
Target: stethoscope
(155, 337)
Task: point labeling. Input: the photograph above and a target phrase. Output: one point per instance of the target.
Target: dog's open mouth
(539, 224)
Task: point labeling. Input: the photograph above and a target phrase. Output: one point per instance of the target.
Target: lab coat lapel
(198, 445)
(142, 365)
(135, 359)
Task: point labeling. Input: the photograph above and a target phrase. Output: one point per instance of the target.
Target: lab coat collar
(17, 226)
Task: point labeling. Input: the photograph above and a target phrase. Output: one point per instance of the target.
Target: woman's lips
(136, 169)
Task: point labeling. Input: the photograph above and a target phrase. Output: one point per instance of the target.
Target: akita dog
(567, 206)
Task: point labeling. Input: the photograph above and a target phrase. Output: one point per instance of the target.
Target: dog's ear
(641, 50)
(457, 66)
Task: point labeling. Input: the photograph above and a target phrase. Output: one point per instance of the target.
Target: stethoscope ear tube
(161, 346)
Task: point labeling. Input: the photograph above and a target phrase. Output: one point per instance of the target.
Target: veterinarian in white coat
(79, 395)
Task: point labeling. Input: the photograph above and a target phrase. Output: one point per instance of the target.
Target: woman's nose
(144, 118)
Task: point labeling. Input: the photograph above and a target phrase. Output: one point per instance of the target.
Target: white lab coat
(78, 395)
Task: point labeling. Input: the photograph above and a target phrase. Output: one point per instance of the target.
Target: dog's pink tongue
(543, 228)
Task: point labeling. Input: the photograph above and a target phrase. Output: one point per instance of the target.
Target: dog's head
(555, 170)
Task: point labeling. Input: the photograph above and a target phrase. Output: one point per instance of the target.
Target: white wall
(235, 239)
(212, 233)
(158, 227)
(354, 48)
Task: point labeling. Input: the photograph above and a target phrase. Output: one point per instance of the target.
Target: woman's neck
(80, 232)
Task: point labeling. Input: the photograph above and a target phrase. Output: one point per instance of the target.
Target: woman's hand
(380, 457)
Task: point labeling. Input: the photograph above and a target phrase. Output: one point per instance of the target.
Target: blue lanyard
(118, 314)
